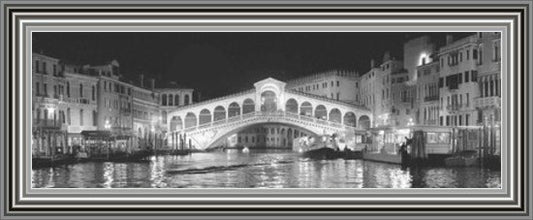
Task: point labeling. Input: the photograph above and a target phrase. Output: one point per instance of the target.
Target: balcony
(487, 102)
(431, 98)
(49, 123)
(456, 107)
(77, 100)
(59, 97)
(46, 99)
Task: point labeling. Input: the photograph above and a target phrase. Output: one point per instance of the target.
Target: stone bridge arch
(222, 138)
(221, 113)
(203, 138)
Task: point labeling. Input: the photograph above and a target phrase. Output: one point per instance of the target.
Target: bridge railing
(259, 115)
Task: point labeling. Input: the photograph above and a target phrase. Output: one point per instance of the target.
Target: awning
(96, 134)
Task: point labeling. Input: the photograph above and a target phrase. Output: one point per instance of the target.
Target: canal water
(258, 169)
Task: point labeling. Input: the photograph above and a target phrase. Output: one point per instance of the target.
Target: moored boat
(462, 159)
(386, 157)
(317, 147)
(52, 160)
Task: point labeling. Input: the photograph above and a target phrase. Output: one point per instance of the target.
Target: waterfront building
(386, 92)
(488, 103)
(489, 79)
(403, 97)
(146, 116)
(334, 84)
(418, 54)
(428, 90)
(458, 85)
(81, 105)
(371, 86)
(173, 96)
(418, 51)
(115, 99)
(48, 106)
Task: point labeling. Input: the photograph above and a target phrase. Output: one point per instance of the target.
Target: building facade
(48, 107)
(428, 94)
(81, 110)
(335, 84)
(488, 103)
(146, 116)
(458, 85)
(173, 96)
(386, 91)
(115, 101)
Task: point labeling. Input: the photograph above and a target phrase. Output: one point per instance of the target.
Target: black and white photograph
(266, 110)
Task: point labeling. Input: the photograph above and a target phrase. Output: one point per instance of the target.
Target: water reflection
(258, 170)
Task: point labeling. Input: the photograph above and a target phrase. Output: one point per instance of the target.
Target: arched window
(364, 122)
(205, 116)
(291, 106)
(248, 106)
(335, 115)
(321, 112)
(38, 115)
(186, 100)
(170, 100)
(190, 120)
(176, 124)
(176, 99)
(268, 101)
(306, 109)
(234, 110)
(68, 116)
(164, 99)
(68, 89)
(219, 113)
(350, 119)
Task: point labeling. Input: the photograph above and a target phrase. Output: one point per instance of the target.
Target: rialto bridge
(207, 124)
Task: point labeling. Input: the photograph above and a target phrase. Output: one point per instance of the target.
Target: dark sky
(221, 63)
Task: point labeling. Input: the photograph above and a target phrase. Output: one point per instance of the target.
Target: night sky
(222, 63)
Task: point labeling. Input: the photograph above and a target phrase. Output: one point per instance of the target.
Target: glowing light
(410, 123)
(423, 59)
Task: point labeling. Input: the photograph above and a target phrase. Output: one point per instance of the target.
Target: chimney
(449, 39)
(372, 63)
(386, 56)
(152, 83)
(141, 80)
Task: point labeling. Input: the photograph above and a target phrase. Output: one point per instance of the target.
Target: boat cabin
(421, 141)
